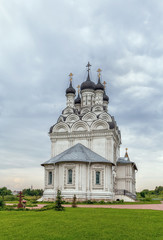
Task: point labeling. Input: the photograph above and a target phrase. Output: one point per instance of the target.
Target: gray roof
(77, 153)
(124, 160)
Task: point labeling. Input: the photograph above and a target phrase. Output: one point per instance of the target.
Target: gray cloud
(42, 42)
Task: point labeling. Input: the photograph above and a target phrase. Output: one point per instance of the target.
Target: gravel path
(136, 206)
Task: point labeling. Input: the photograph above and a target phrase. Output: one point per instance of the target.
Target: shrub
(89, 202)
(10, 198)
(2, 204)
(58, 202)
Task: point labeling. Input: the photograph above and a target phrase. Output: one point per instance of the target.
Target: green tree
(2, 204)
(58, 202)
(158, 190)
(32, 192)
(142, 194)
(4, 192)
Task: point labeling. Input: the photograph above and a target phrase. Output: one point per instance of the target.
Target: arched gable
(72, 118)
(89, 117)
(85, 110)
(97, 109)
(99, 124)
(61, 127)
(80, 126)
(60, 119)
(68, 111)
(106, 117)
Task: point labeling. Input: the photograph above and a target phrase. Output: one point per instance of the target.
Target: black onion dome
(78, 99)
(105, 97)
(88, 84)
(99, 85)
(70, 89)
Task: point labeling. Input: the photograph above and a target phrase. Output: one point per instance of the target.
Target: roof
(105, 97)
(78, 99)
(124, 160)
(77, 153)
(88, 84)
(99, 85)
(70, 89)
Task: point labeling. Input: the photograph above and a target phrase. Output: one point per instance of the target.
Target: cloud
(42, 42)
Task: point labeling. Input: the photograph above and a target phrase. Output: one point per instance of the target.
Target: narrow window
(70, 176)
(50, 178)
(97, 177)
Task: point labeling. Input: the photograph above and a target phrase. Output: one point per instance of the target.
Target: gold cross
(78, 88)
(70, 75)
(99, 72)
(104, 84)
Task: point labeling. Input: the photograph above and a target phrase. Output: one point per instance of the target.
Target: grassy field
(109, 224)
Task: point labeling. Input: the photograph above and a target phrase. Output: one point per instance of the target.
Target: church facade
(85, 149)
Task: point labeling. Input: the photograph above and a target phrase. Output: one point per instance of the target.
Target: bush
(58, 202)
(89, 202)
(11, 198)
(2, 204)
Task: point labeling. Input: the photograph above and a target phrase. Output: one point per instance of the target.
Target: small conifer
(58, 202)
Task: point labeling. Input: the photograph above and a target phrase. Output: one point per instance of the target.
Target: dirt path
(136, 206)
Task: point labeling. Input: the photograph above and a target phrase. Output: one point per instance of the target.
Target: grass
(109, 224)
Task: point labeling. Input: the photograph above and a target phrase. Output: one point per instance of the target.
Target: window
(49, 178)
(97, 177)
(70, 176)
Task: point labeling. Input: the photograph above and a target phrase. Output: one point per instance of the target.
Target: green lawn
(82, 223)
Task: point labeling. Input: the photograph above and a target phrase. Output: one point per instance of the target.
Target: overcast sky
(42, 41)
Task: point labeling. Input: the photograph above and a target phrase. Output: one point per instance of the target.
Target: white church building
(85, 149)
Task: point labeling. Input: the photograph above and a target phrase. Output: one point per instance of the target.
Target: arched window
(49, 178)
(97, 177)
(70, 176)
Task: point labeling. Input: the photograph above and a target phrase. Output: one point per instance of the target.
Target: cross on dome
(99, 72)
(104, 84)
(126, 154)
(88, 66)
(70, 75)
(78, 88)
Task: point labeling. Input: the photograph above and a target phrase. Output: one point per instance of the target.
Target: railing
(126, 193)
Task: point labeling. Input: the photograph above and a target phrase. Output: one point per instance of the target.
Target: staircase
(125, 193)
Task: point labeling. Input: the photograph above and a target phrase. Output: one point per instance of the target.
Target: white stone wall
(84, 181)
(125, 177)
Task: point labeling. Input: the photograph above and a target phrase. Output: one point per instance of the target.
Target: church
(85, 149)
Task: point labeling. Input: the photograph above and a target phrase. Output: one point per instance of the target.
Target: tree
(74, 201)
(4, 192)
(32, 192)
(158, 190)
(58, 202)
(2, 204)
(142, 194)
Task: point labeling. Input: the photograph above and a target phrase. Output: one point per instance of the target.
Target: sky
(41, 42)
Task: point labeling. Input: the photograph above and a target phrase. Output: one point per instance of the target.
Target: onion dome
(88, 84)
(99, 85)
(78, 99)
(70, 89)
(105, 97)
